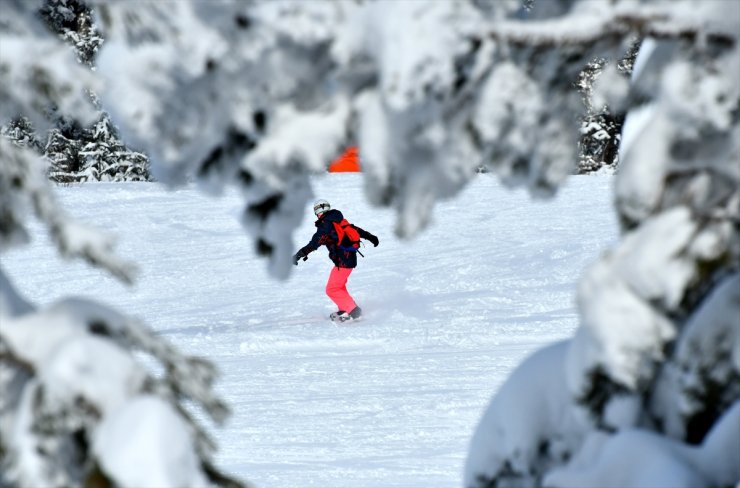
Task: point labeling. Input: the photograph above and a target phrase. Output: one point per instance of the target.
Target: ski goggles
(321, 208)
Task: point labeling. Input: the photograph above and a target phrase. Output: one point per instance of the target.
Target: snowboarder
(343, 241)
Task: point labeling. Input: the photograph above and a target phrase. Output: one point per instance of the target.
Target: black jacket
(326, 235)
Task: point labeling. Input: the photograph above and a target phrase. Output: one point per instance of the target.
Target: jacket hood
(332, 215)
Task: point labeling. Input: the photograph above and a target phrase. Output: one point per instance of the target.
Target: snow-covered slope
(391, 401)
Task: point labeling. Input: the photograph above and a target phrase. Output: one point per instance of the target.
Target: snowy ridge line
(655, 22)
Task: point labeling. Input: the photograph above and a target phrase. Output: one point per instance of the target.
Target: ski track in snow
(390, 401)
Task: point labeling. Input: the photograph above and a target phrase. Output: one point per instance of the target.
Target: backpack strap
(339, 228)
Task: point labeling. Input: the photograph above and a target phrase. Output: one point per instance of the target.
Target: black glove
(300, 254)
(374, 240)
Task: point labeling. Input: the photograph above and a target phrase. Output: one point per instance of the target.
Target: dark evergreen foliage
(75, 153)
(601, 127)
(72, 20)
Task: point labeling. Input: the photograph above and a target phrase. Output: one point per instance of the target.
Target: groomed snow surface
(391, 401)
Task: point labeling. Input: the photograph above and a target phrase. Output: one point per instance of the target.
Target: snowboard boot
(356, 313)
(342, 316)
(334, 316)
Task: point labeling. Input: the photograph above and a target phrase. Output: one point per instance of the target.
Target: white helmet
(321, 206)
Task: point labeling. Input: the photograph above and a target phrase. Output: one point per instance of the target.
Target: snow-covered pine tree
(275, 88)
(73, 21)
(648, 392)
(107, 158)
(78, 406)
(94, 153)
(21, 132)
(62, 151)
(601, 128)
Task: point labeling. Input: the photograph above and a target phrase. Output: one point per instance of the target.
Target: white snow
(616, 459)
(390, 401)
(621, 459)
(90, 367)
(532, 412)
(158, 453)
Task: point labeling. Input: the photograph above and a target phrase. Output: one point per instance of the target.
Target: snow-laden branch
(80, 381)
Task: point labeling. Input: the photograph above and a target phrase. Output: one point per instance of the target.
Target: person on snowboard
(342, 240)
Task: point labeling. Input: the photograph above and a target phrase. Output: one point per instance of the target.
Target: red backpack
(348, 239)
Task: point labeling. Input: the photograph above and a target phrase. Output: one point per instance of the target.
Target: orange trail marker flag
(349, 162)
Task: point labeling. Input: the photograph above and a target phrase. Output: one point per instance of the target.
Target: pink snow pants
(336, 288)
